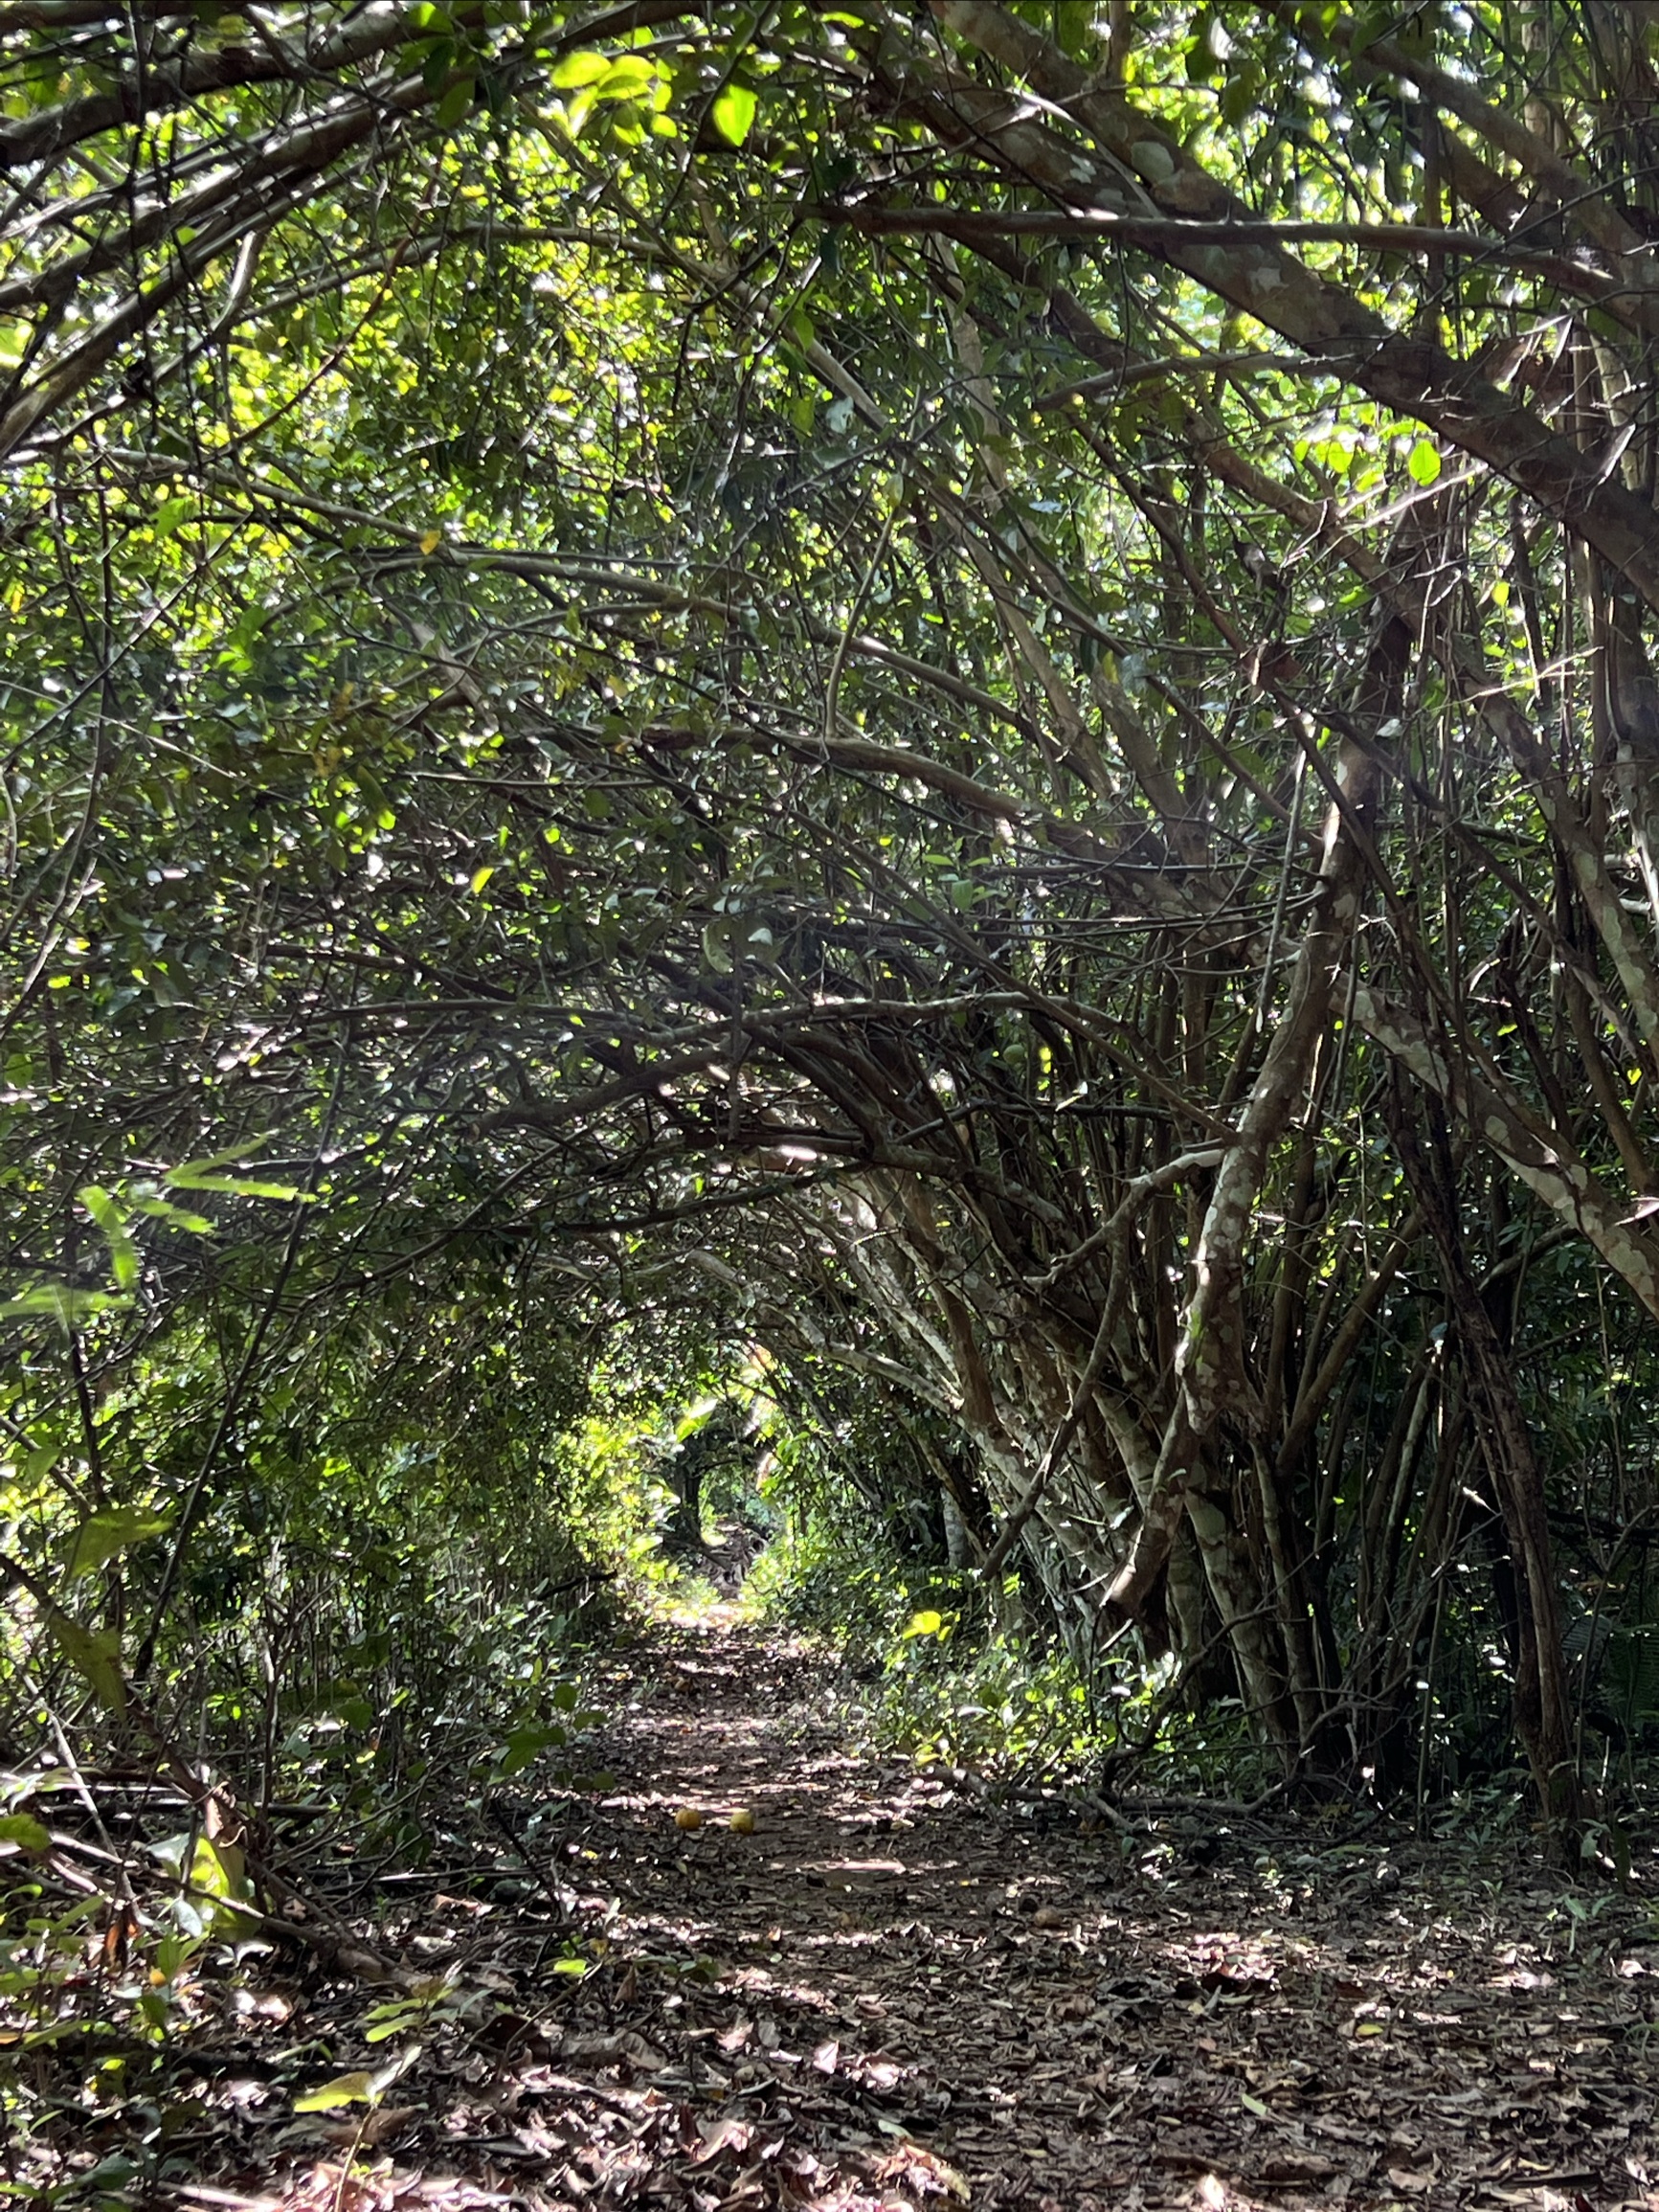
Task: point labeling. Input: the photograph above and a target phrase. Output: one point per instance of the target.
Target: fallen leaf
(1296, 2167)
(721, 2134)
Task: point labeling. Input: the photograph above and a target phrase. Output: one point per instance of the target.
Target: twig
(550, 1886)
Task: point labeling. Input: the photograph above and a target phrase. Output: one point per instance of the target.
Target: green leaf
(626, 78)
(523, 1745)
(94, 1654)
(219, 1870)
(923, 1624)
(455, 104)
(25, 1831)
(69, 1307)
(356, 2088)
(579, 69)
(1422, 463)
(732, 113)
(176, 1217)
(104, 1535)
(1241, 94)
(233, 1185)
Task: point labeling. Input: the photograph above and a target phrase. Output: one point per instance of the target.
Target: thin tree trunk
(1542, 1707)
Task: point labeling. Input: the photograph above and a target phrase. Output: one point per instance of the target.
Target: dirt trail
(895, 1994)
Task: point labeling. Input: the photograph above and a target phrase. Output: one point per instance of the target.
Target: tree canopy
(958, 699)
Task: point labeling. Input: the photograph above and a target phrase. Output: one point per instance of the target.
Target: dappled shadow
(896, 1993)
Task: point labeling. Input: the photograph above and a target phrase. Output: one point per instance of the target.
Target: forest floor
(894, 1992)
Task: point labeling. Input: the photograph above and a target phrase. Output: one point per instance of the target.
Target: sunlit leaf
(1422, 463)
(575, 70)
(733, 113)
(103, 1536)
(356, 2088)
(232, 1185)
(94, 1654)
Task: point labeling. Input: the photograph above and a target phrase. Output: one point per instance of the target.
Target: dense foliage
(960, 702)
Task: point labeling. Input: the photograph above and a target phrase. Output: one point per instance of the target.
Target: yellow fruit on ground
(688, 1818)
(743, 1820)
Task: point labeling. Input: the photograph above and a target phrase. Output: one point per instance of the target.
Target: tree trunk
(1542, 1707)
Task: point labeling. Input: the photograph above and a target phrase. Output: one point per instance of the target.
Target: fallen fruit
(688, 1818)
(743, 1820)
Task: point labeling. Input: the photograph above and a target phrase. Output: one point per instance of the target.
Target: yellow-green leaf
(111, 1219)
(95, 1654)
(190, 1178)
(220, 1870)
(344, 2089)
(579, 69)
(626, 78)
(732, 113)
(26, 1832)
(103, 1536)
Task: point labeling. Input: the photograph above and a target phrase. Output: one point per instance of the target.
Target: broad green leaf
(26, 1832)
(732, 113)
(626, 79)
(924, 1624)
(219, 1870)
(455, 104)
(523, 1745)
(1422, 463)
(103, 1536)
(579, 69)
(94, 1654)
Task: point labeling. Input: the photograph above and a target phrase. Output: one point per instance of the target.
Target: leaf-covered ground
(893, 1993)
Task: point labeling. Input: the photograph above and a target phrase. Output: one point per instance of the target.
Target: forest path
(894, 1994)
